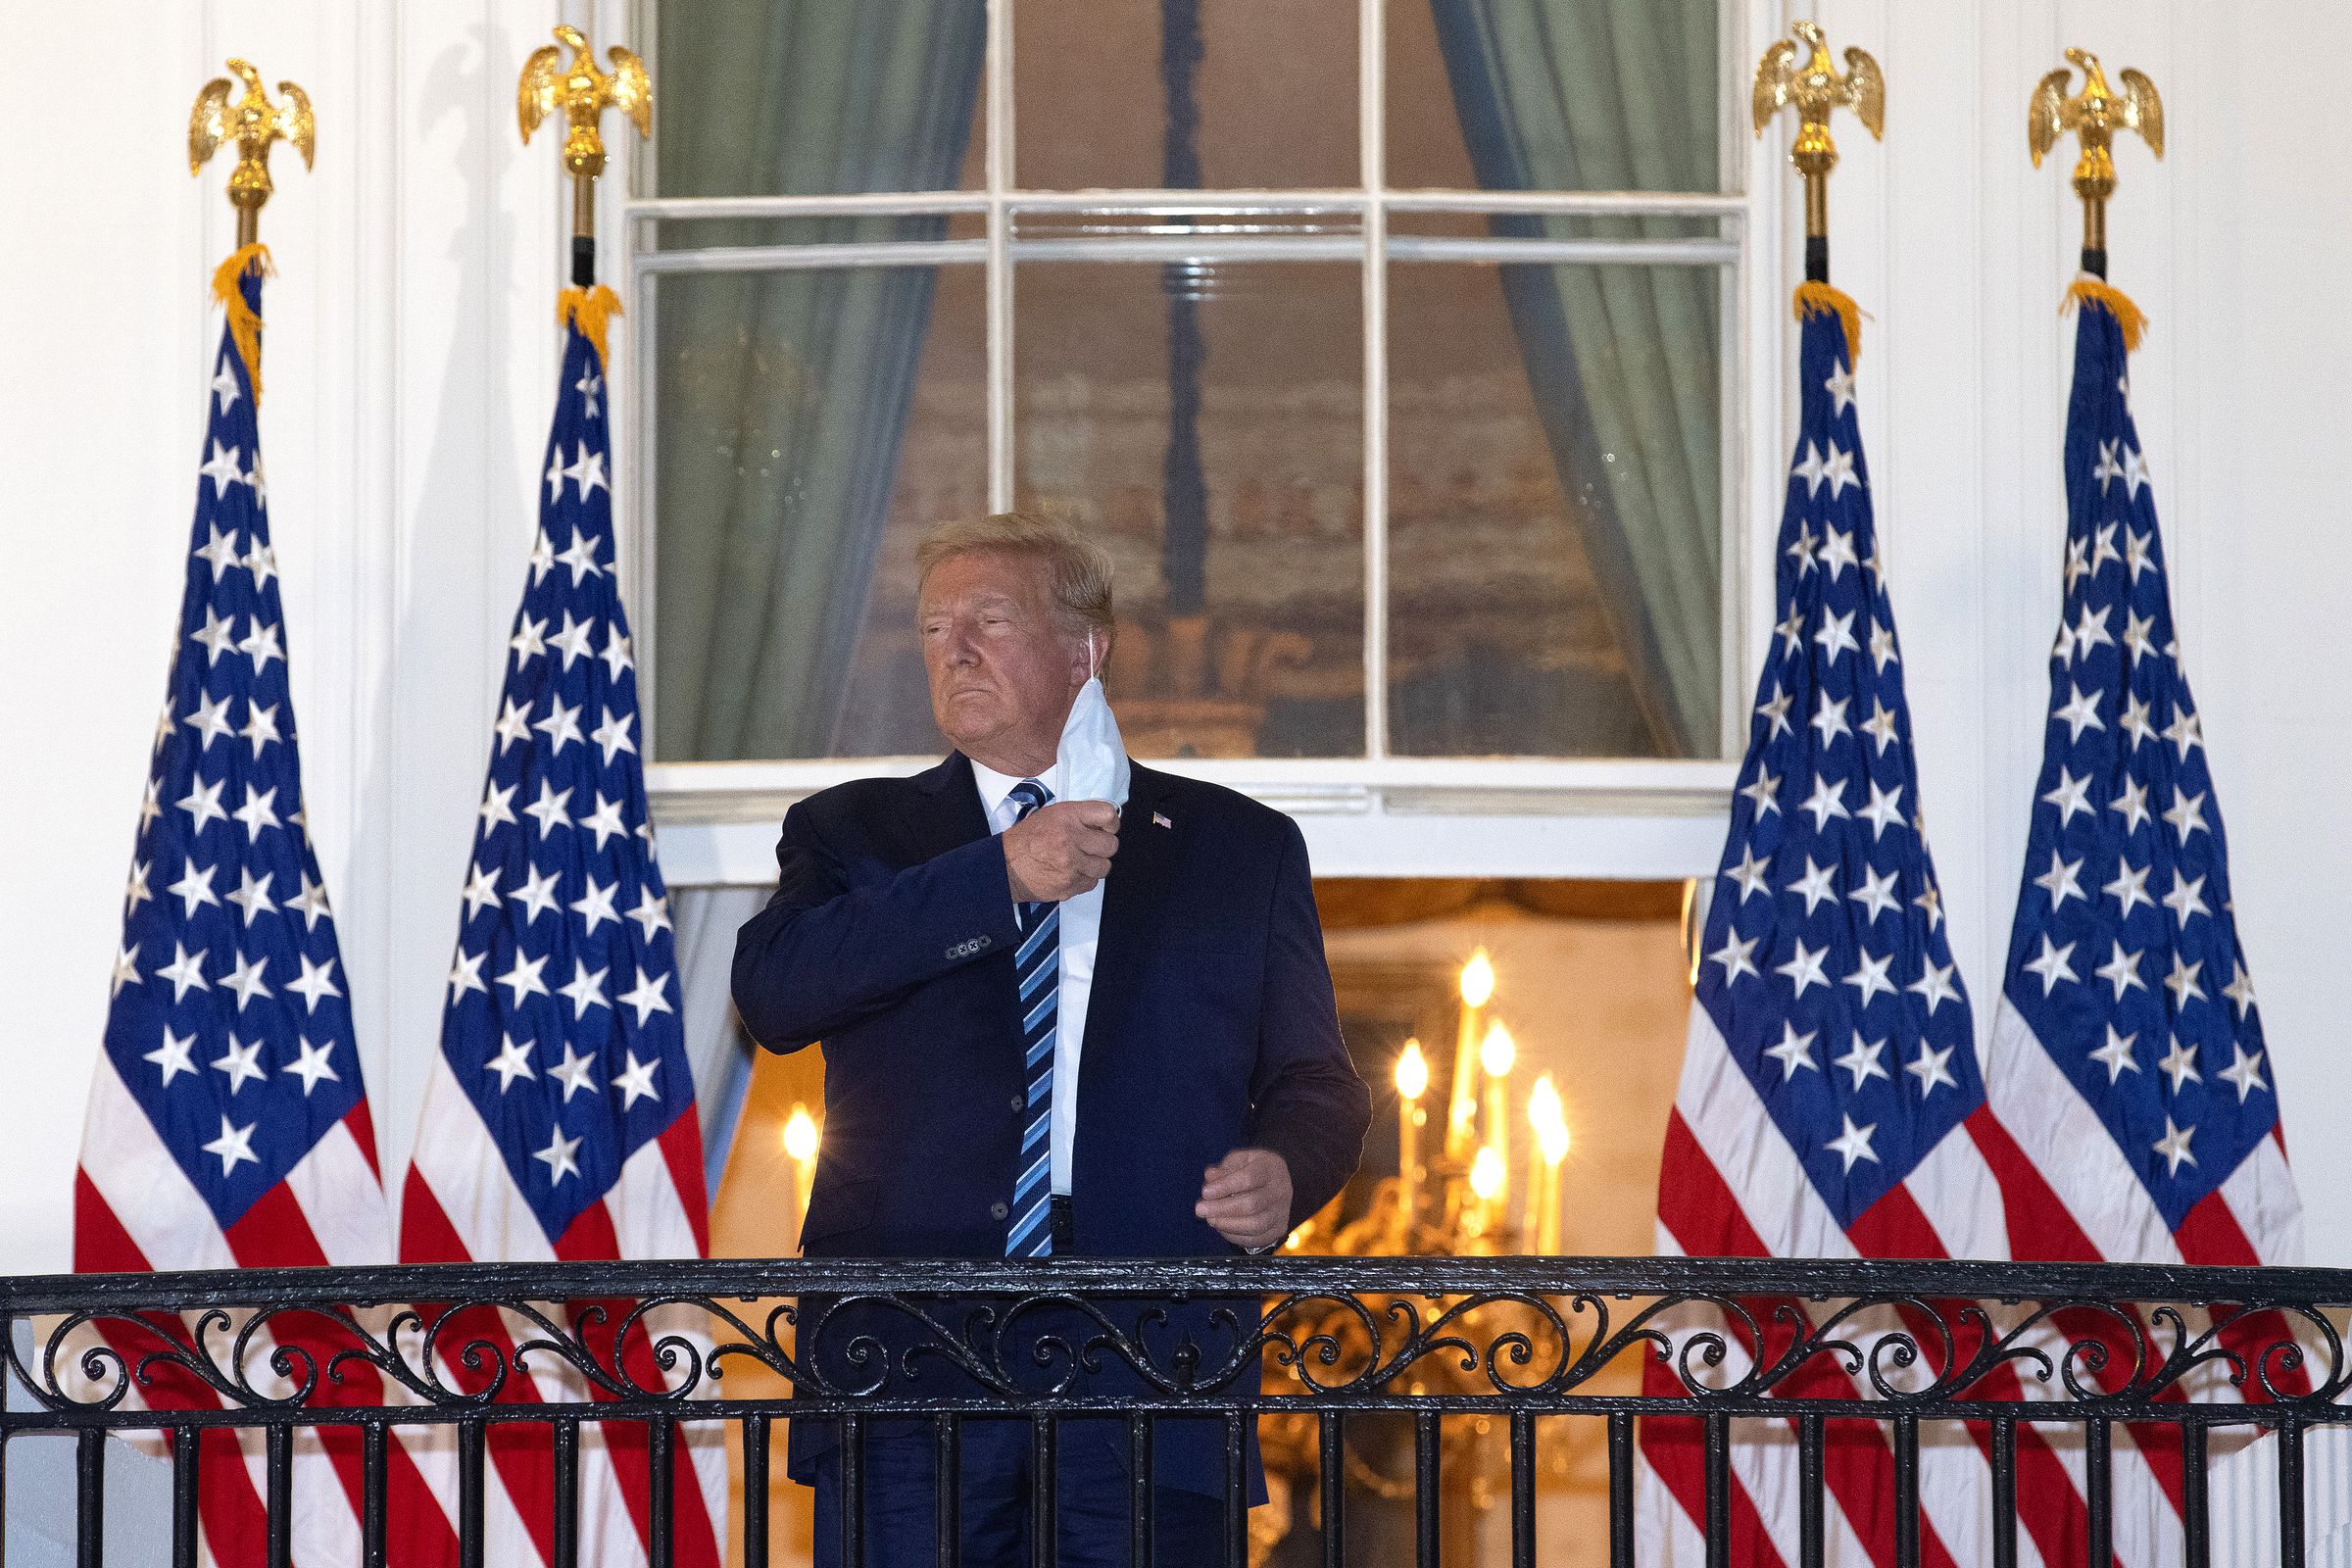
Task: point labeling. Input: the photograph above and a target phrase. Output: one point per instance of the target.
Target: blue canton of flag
(1825, 968)
(2124, 959)
(561, 1022)
(228, 1022)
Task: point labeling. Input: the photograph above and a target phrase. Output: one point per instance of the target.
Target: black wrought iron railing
(1352, 1368)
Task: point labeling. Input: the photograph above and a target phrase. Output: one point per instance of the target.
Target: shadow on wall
(460, 539)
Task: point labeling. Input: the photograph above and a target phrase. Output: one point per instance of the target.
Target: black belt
(1058, 1216)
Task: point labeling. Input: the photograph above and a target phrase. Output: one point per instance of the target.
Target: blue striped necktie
(1037, 969)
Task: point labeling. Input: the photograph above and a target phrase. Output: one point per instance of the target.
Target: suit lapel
(955, 818)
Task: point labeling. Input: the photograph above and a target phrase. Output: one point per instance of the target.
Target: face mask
(1092, 756)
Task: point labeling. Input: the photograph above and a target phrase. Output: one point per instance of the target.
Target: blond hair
(1078, 568)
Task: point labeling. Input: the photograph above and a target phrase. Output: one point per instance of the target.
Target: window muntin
(1544, 663)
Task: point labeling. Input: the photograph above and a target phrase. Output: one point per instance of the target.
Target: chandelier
(1458, 1192)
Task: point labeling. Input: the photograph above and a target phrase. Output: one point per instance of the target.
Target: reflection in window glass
(1272, 88)
(817, 98)
(1554, 434)
(1553, 94)
(1555, 510)
(1242, 623)
(812, 425)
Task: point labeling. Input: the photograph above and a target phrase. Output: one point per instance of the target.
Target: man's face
(1004, 671)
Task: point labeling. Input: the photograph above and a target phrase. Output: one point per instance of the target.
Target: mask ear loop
(1093, 668)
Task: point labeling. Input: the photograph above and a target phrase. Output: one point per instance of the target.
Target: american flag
(228, 1122)
(560, 1120)
(1830, 1075)
(2128, 1060)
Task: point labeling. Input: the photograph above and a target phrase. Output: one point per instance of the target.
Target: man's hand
(1246, 1196)
(1059, 851)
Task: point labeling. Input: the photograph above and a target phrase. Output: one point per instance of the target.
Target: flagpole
(2094, 115)
(250, 121)
(1797, 70)
(583, 92)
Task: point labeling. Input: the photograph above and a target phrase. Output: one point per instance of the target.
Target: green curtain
(782, 397)
(1623, 359)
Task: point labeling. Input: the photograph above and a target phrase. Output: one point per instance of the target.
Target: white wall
(1960, 249)
(410, 369)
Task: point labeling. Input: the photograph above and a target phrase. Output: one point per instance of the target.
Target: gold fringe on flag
(2128, 315)
(591, 310)
(244, 322)
(1820, 299)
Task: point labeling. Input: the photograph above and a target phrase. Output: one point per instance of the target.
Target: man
(1052, 1027)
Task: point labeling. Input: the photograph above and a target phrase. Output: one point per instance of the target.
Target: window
(1392, 347)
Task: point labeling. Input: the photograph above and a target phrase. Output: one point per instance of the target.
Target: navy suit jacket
(1210, 1027)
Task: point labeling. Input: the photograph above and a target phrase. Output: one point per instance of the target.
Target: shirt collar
(995, 786)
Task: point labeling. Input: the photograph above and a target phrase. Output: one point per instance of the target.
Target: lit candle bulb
(1549, 1122)
(1413, 1081)
(1544, 1107)
(1478, 987)
(800, 1142)
(1497, 1053)
(1485, 1174)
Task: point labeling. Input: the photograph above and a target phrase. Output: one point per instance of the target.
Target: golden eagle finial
(1816, 87)
(1798, 70)
(583, 92)
(2094, 115)
(222, 114)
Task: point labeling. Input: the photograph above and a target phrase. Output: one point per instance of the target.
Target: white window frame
(1372, 815)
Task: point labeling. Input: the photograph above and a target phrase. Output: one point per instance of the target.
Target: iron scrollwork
(1279, 1335)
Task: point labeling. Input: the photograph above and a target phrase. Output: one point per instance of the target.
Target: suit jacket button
(1020, 1101)
(999, 1210)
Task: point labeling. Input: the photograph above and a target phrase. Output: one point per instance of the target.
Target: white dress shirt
(1081, 932)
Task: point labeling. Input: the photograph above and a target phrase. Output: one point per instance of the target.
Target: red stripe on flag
(2041, 1228)
(363, 1133)
(1672, 1444)
(228, 1506)
(2040, 1225)
(2052, 1510)
(1857, 1462)
(599, 1323)
(275, 1233)
(522, 1453)
(1700, 1210)
(101, 1245)
(2209, 1233)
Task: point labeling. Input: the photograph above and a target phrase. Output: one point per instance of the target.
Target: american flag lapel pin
(1158, 820)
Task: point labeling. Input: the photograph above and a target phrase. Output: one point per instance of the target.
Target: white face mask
(1092, 756)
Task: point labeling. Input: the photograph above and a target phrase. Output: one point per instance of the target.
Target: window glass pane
(1273, 90)
(1553, 94)
(811, 425)
(1556, 512)
(815, 97)
(1242, 626)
